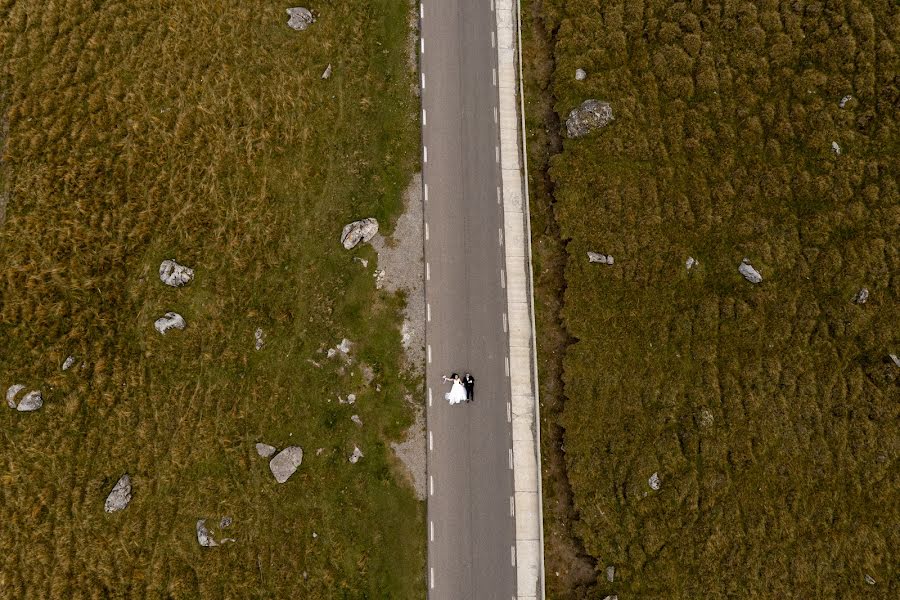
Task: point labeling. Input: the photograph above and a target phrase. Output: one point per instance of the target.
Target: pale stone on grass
(204, 537)
(749, 273)
(861, 296)
(357, 454)
(11, 394)
(591, 115)
(173, 274)
(835, 148)
(690, 263)
(171, 320)
(31, 402)
(260, 338)
(120, 495)
(265, 450)
(603, 259)
(300, 18)
(285, 463)
(580, 75)
(68, 363)
(327, 72)
(356, 419)
(654, 482)
(358, 232)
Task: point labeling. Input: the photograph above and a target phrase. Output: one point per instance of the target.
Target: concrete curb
(529, 558)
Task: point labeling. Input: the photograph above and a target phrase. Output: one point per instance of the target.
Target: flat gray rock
(357, 454)
(591, 115)
(749, 273)
(654, 482)
(173, 274)
(690, 263)
(861, 296)
(265, 450)
(835, 147)
(358, 232)
(11, 394)
(580, 75)
(327, 72)
(171, 320)
(31, 401)
(120, 495)
(299, 18)
(260, 338)
(285, 463)
(895, 359)
(68, 363)
(844, 101)
(356, 419)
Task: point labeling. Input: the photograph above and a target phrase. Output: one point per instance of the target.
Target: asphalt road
(471, 528)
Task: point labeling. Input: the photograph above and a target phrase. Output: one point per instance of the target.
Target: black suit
(469, 383)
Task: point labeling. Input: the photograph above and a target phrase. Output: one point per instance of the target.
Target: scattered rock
(351, 399)
(845, 100)
(11, 394)
(861, 296)
(300, 18)
(225, 522)
(31, 401)
(171, 320)
(654, 482)
(362, 261)
(285, 463)
(320, 451)
(173, 274)
(603, 259)
(611, 598)
(265, 450)
(690, 263)
(580, 74)
(706, 417)
(869, 579)
(895, 359)
(204, 537)
(591, 115)
(331, 352)
(120, 495)
(259, 336)
(610, 573)
(356, 419)
(749, 273)
(357, 454)
(327, 72)
(68, 363)
(358, 231)
(835, 148)
(379, 278)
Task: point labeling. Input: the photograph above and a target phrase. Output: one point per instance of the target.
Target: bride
(457, 392)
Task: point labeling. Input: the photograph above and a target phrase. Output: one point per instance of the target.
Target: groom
(469, 383)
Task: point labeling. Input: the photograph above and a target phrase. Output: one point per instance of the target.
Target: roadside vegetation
(202, 131)
(769, 412)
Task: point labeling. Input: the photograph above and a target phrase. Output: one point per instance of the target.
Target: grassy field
(770, 412)
(202, 131)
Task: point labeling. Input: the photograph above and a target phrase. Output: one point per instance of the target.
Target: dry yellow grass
(201, 131)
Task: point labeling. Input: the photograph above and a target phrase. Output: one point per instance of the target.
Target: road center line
(426, 192)
(426, 232)
(429, 396)
(423, 81)
(510, 459)
(512, 555)
(432, 531)
(495, 114)
(493, 39)
(499, 235)
(424, 153)
(493, 78)
(431, 484)
(422, 44)
(504, 323)
(424, 118)
(421, 11)
(431, 443)
(429, 354)
(508, 412)
(428, 311)
(507, 366)
(497, 153)
(499, 195)
(502, 279)
(428, 271)
(512, 506)
(432, 577)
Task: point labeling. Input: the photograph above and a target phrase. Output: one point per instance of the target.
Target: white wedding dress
(456, 394)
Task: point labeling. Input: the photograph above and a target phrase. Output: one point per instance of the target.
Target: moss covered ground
(769, 412)
(202, 131)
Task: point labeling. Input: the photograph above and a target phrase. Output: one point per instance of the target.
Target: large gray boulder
(11, 394)
(31, 401)
(285, 463)
(171, 320)
(591, 115)
(120, 495)
(173, 274)
(749, 273)
(358, 231)
(300, 18)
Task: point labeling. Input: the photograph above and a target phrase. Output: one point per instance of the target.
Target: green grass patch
(769, 412)
(203, 132)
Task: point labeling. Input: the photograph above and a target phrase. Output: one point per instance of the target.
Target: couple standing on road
(462, 390)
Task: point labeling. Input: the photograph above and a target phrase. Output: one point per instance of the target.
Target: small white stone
(690, 263)
(654, 482)
(11, 394)
(265, 450)
(835, 148)
(171, 320)
(357, 454)
(68, 363)
(356, 419)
